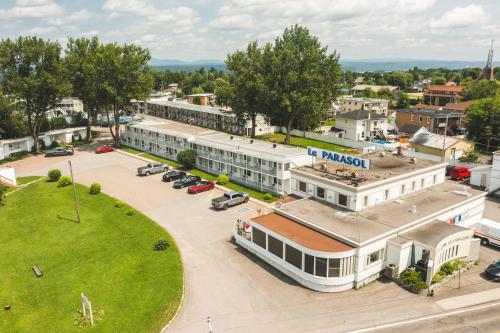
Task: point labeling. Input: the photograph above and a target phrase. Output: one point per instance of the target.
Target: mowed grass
(26, 180)
(305, 142)
(108, 256)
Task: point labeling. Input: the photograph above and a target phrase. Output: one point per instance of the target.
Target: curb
(181, 303)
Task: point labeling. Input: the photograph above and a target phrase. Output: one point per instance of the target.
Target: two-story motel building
(351, 223)
(258, 164)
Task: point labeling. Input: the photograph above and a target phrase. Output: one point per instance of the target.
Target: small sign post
(86, 304)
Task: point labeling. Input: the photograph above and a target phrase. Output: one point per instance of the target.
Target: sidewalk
(469, 299)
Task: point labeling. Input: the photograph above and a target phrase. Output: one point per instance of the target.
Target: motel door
(484, 177)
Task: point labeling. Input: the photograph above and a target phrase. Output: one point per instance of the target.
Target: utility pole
(209, 322)
(444, 139)
(74, 192)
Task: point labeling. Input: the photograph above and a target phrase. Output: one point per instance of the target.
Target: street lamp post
(74, 192)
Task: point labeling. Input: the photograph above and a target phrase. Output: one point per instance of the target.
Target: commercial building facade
(350, 226)
(206, 116)
(258, 164)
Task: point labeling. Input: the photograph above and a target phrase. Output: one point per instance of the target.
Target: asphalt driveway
(239, 292)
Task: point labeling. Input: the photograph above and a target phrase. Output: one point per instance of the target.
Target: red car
(103, 149)
(460, 173)
(201, 187)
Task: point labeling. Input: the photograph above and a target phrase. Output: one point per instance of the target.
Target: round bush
(119, 204)
(130, 212)
(95, 188)
(222, 180)
(54, 175)
(268, 196)
(54, 144)
(64, 181)
(161, 245)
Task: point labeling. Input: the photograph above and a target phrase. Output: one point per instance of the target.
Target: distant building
(435, 119)
(488, 68)
(348, 103)
(439, 145)
(362, 87)
(173, 87)
(67, 108)
(442, 94)
(205, 99)
(361, 125)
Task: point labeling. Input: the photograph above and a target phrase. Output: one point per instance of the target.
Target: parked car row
(194, 185)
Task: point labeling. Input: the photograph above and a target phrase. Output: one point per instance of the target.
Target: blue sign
(358, 162)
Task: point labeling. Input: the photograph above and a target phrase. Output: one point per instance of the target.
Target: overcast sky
(209, 29)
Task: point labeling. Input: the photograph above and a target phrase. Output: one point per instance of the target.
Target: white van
(488, 231)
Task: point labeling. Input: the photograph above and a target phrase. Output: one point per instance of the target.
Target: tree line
(37, 73)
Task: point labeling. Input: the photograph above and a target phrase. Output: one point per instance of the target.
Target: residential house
(205, 99)
(442, 94)
(361, 125)
(436, 119)
(439, 145)
(348, 103)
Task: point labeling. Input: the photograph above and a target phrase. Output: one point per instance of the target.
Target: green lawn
(25, 180)
(233, 186)
(328, 122)
(109, 256)
(305, 142)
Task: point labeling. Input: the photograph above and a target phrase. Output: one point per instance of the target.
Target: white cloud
(78, 16)
(33, 9)
(461, 17)
(39, 31)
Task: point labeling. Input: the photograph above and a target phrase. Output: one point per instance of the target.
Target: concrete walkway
(469, 299)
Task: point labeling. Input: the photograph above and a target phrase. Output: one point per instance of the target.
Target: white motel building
(348, 225)
(258, 164)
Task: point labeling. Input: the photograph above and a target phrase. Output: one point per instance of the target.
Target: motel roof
(381, 168)
(432, 233)
(369, 224)
(300, 234)
(193, 107)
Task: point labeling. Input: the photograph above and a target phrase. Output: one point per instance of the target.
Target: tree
(470, 155)
(223, 92)
(125, 76)
(483, 124)
(247, 83)
(12, 120)
(403, 101)
(33, 72)
(302, 77)
(439, 80)
(197, 90)
(403, 80)
(482, 89)
(187, 158)
(81, 61)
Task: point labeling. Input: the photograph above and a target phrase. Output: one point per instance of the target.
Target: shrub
(2, 195)
(95, 188)
(119, 204)
(64, 181)
(54, 144)
(130, 212)
(447, 268)
(222, 180)
(437, 278)
(161, 245)
(412, 279)
(268, 196)
(54, 175)
(187, 158)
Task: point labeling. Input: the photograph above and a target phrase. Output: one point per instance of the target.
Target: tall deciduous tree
(125, 76)
(483, 121)
(33, 72)
(12, 120)
(81, 61)
(303, 77)
(223, 92)
(246, 77)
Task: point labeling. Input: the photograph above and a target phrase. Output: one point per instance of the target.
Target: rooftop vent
(413, 160)
(274, 145)
(251, 141)
(231, 137)
(413, 209)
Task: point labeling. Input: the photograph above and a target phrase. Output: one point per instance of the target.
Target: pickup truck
(229, 199)
(151, 168)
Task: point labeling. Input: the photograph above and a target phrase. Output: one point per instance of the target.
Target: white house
(361, 125)
(349, 103)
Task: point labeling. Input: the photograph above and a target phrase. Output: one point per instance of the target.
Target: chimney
(400, 150)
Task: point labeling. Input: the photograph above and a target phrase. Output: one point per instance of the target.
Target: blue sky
(209, 29)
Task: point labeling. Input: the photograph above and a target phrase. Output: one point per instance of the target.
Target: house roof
(360, 115)
(433, 140)
(445, 88)
(362, 87)
(425, 107)
(458, 106)
(409, 129)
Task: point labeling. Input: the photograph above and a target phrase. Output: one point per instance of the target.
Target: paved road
(239, 292)
(483, 319)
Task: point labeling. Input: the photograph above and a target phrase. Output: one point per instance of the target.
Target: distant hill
(357, 65)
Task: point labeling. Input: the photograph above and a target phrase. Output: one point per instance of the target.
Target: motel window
(293, 256)
(343, 200)
(259, 237)
(275, 246)
(365, 201)
(309, 264)
(320, 192)
(374, 257)
(302, 187)
(321, 267)
(334, 267)
(287, 166)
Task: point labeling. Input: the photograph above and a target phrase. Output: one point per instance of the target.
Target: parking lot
(239, 292)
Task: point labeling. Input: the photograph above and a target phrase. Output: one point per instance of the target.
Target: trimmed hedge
(95, 188)
(64, 181)
(54, 175)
